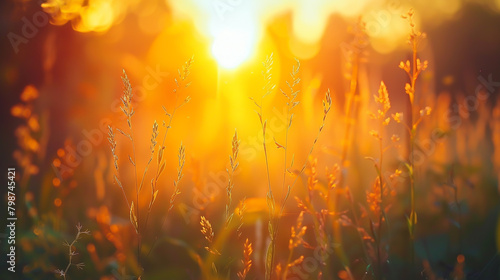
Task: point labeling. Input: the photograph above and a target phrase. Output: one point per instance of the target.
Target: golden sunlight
(232, 46)
(251, 139)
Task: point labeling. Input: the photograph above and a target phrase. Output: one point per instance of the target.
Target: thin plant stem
(137, 199)
(180, 84)
(72, 253)
(413, 70)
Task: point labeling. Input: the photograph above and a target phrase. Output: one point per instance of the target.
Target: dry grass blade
(123, 191)
(112, 143)
(177, 191)
(133, 218)
(152, 147)
(124, 134)
(266, 73)
(126, 99)
(270, 258)
(233, 161)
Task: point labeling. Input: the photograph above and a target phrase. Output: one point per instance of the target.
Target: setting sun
(232, 46)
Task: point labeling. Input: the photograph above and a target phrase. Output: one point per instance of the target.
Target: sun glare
(232, 46)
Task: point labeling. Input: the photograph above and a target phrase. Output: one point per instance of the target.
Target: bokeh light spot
(57, 202)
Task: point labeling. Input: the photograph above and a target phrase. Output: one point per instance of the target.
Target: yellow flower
(383, 97)
(398, 117)
(396, 174)
(386, 122)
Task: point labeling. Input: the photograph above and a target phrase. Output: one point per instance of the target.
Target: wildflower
(297, 232)
(383, 97)
(396, 174)
(398, 117)
(386, 121)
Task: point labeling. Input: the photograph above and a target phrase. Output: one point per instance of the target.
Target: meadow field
(232, 139)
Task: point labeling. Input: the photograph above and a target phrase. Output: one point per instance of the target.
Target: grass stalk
(181, 83)
(413, 70)
(72, 253)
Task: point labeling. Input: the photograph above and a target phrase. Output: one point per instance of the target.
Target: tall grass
(375, 202)
(138, 221)
(413, 69)
(275, 211)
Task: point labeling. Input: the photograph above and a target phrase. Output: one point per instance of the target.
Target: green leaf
(409, 224)
(413, 217)
(410, 169)
(411, 221)
(369, 269)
